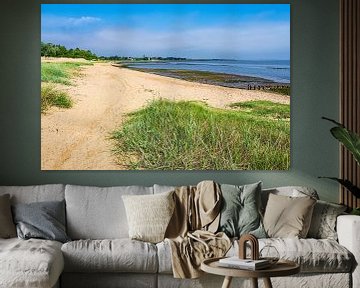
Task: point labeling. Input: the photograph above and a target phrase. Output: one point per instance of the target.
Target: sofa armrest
(348, 230)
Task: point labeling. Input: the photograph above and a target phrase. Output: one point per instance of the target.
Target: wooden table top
(281, 268)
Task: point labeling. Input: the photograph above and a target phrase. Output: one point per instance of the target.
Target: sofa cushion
(323, 222)
(30, 263)
(149, 215)
(291, 191)
(36, 193)
(313, 255)
(7, 226)
(240, 210)
(163, 188)
(117, 255)
(287, 216)
(42, 220)
(98, 213)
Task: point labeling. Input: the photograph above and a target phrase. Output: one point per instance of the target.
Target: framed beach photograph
(165, 86)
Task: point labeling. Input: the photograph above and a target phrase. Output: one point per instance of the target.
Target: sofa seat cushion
(30, 263)
(313, 255)
(115, 255)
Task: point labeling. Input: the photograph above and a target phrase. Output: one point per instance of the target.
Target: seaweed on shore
(220, 79)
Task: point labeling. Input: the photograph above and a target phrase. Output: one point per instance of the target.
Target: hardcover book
(236, 262)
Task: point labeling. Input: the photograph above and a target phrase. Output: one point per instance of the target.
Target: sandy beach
(78, 138)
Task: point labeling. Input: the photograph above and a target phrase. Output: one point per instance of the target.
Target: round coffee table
(281, 268)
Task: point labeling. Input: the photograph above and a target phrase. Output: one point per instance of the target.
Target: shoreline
(216, 78)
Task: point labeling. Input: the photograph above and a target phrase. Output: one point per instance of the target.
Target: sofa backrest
(98, 212)
(163, 188)
(36, 193)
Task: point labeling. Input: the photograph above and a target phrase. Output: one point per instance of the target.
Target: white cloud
(51, 22)
(253, 41)
(81, 21)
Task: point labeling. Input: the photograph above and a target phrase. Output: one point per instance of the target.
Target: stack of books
(248, 264)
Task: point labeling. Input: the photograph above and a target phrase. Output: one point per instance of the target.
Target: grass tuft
(264, 109)
(51, 96)
(191, 136)
(61, 72)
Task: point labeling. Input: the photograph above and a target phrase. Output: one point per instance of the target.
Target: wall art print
(165, 86)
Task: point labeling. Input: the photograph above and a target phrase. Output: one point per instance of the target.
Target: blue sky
(227, 31)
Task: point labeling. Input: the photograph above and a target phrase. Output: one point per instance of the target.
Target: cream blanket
(191, 231)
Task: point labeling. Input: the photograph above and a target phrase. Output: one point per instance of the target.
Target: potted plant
(351, 141)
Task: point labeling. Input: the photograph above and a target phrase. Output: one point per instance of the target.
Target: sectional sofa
(101, 254)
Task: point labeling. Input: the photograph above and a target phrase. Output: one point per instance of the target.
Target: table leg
(227, 282)
(254, 282)
(267, 283)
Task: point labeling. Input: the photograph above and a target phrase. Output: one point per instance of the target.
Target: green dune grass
(53, 73)
(192, 136)
(264, 109)
(50, 96)
(61, 72)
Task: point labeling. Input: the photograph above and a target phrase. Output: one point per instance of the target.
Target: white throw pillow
(149, 215)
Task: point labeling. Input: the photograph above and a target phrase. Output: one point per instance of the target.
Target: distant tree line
(144, 58)
(53, 50)
(56, 50)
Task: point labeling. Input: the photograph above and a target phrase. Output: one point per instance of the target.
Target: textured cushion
(118, 255)
(313, 255)
(240, 213)
(287, 216)
(149, 215)
(7, 227)
(98, 213)
(44, 220)
(164, 257)
(323, 222)
(31, 263)
(36, 193)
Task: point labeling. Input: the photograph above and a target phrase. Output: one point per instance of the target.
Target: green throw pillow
(240, 213)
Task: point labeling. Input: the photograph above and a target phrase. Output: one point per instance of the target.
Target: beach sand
(78, 138)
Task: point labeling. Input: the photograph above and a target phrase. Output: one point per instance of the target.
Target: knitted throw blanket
(191, 231)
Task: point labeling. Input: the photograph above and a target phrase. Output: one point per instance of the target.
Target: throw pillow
(288, 217)
(149, 215)
(240, 213)
(7, 227)
(323, 222)
(43, 220)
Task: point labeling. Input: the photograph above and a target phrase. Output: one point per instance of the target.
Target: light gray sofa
(101, 255)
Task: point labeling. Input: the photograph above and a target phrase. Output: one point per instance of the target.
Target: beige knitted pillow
(149, 215)
(288, 217)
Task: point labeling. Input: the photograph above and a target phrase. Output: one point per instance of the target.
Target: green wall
(315, 74)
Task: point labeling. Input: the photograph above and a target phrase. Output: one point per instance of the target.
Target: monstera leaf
(348, 138)
(351, 141)
(347, 184)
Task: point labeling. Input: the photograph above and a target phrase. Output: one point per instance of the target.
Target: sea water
(275, 70)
